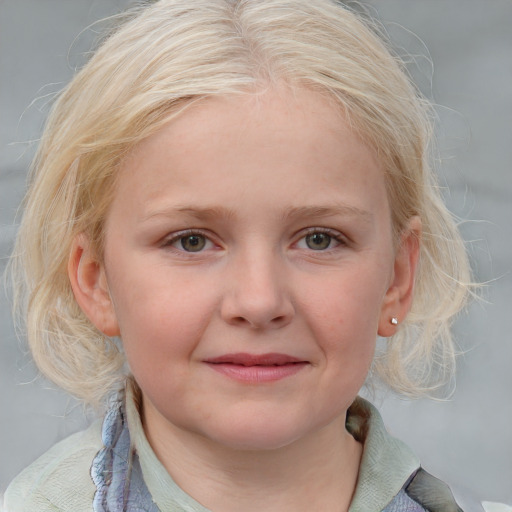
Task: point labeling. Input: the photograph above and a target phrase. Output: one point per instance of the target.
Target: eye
(189, 242)
(318, 240)
(192, 243)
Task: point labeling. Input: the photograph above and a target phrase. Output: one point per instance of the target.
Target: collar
(387, 463)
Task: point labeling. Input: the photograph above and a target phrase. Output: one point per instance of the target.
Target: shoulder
(390, 476)
(424, 493)
(60, 479)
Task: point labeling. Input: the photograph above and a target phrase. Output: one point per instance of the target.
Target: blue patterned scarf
(116, 471)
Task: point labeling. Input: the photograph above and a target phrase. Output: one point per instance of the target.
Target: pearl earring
(394, 320)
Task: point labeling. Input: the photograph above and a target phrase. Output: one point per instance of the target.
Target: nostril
(240, 320)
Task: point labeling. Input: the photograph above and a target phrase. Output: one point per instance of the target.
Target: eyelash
(332, 234)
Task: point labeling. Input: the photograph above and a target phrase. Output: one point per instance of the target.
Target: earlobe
(89, 284)
(398, 299)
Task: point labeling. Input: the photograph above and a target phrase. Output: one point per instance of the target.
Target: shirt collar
(387, 463)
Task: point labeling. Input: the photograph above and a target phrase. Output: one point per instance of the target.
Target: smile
(250, 368)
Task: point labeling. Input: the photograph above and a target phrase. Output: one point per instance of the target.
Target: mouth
(256, 368)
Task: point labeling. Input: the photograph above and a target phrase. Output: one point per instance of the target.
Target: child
(239, 192)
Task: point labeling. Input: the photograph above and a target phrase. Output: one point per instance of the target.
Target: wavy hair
(161, 59)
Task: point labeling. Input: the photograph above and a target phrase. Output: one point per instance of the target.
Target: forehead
(273, 112)
(285, 146)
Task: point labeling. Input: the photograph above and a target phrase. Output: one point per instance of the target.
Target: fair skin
(248, 267)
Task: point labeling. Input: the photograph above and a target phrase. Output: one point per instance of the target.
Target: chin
(261, 434)
(260, 442)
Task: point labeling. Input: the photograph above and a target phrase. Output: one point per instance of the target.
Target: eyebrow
(290, 214)
(196, 212)
(327, 211)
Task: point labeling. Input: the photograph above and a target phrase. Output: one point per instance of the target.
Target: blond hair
(171, 54)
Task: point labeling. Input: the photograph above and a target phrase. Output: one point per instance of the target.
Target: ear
(89, 284)
(398, 299)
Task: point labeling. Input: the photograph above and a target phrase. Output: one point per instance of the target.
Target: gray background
(465, 441)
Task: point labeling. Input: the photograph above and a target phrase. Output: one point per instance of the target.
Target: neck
(316, 472)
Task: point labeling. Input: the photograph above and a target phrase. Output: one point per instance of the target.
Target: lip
(256, 368)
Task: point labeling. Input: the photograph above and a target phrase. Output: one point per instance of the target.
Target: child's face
(250, 263)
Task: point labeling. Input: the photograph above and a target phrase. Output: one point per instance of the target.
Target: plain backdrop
(460, 54)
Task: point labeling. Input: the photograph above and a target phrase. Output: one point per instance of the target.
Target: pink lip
(252, 368)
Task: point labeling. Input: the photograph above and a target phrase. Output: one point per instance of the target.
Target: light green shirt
(60, 480)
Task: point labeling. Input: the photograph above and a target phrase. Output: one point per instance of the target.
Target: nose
(256, 294)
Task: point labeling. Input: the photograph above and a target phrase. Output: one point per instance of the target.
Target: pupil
(193, 243)
(318, 241)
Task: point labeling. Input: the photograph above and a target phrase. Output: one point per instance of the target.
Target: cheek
(160, 319)
(343, 311)
(159, 340)
(172, 325)
(346, 300)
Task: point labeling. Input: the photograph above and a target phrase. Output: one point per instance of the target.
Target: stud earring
(394, 320)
